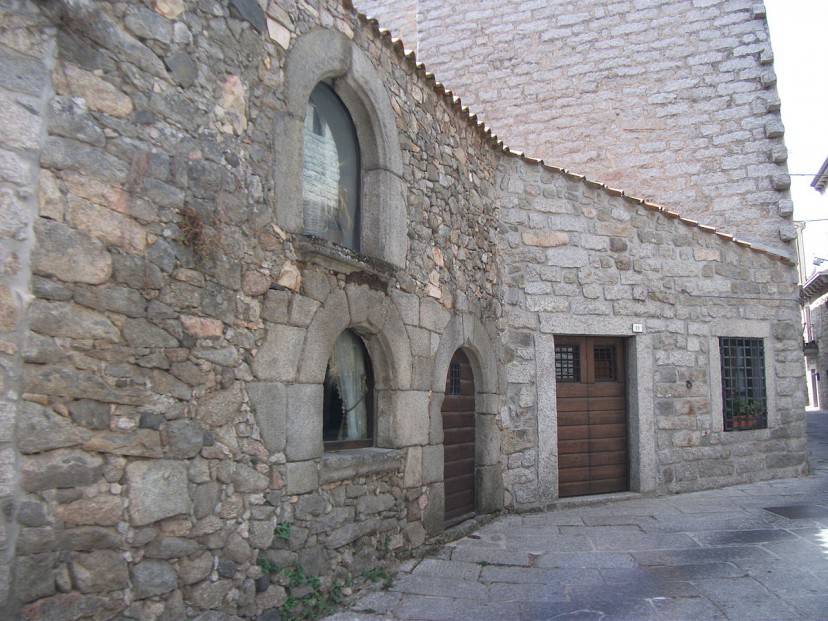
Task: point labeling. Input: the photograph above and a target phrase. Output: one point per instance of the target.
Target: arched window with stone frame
(348, 401)
(331, 170)
(326, 71)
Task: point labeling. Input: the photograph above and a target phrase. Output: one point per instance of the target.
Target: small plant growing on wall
(307, 600)
(282, 530)
(267, 566)
(378, 574)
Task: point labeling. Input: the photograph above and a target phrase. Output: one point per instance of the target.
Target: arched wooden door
(458, 440)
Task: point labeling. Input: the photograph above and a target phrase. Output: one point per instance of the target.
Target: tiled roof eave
(815, 287)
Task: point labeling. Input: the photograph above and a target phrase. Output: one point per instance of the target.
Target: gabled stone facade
(673, 99)
(165, 324)
(603, 264)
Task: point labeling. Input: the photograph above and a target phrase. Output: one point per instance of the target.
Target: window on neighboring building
(744, 399)
(331, 170)
(349, 395)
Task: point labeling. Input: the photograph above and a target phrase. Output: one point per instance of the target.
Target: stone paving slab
(629, 542)
(741, 537)
(812, 607)
(441, 587)
(533, 575)
(711, 555)
(745, 598)
(711, 522)
(672, 608)
(695, 556)
(598, 560)
(448, 569)
(533, 592)
(695, 572)
(448, 609)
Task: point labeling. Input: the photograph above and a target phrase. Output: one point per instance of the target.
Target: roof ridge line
(455, 103)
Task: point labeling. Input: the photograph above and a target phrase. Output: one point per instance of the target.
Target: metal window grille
(605, 364)
(567, 363)
(744, 398)
(454, 379)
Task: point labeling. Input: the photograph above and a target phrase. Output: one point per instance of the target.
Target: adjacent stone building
(204, 408)
(676, 99)
(815, 314)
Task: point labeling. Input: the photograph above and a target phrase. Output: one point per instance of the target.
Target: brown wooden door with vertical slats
(458, 439)
(592, 415)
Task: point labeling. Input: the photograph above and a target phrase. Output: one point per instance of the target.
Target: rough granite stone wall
(170, 459)
(26, 56)
(582, 261)
(673, 100)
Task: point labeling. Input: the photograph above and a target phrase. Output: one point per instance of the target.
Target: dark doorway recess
(592, 415)
(458, 440)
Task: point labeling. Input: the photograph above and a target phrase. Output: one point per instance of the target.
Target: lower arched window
(349, 395)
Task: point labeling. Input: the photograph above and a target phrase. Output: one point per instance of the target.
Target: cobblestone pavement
(749, 552)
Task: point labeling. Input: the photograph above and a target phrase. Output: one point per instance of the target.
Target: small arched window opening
(349, 395)
(331, 171)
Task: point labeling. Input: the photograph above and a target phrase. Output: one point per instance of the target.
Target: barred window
(744, 398)
(454, 385)
(567, 363)
(605, 367)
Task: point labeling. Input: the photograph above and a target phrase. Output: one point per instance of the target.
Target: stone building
(815, 314)
(204, 407)
(673, 98)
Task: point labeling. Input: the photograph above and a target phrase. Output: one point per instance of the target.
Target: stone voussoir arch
(328, 55)
(373, 315)
(375, 318)
(465, 331)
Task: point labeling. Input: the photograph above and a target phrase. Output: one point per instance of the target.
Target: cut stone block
(157, 490)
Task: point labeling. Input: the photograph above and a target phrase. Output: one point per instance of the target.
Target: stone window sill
(340, 465)
(339, 258)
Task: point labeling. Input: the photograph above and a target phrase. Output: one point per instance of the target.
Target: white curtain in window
(352, 377)
(331, 170)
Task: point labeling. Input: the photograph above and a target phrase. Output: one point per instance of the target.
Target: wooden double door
(458, 440)
(592, 415)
